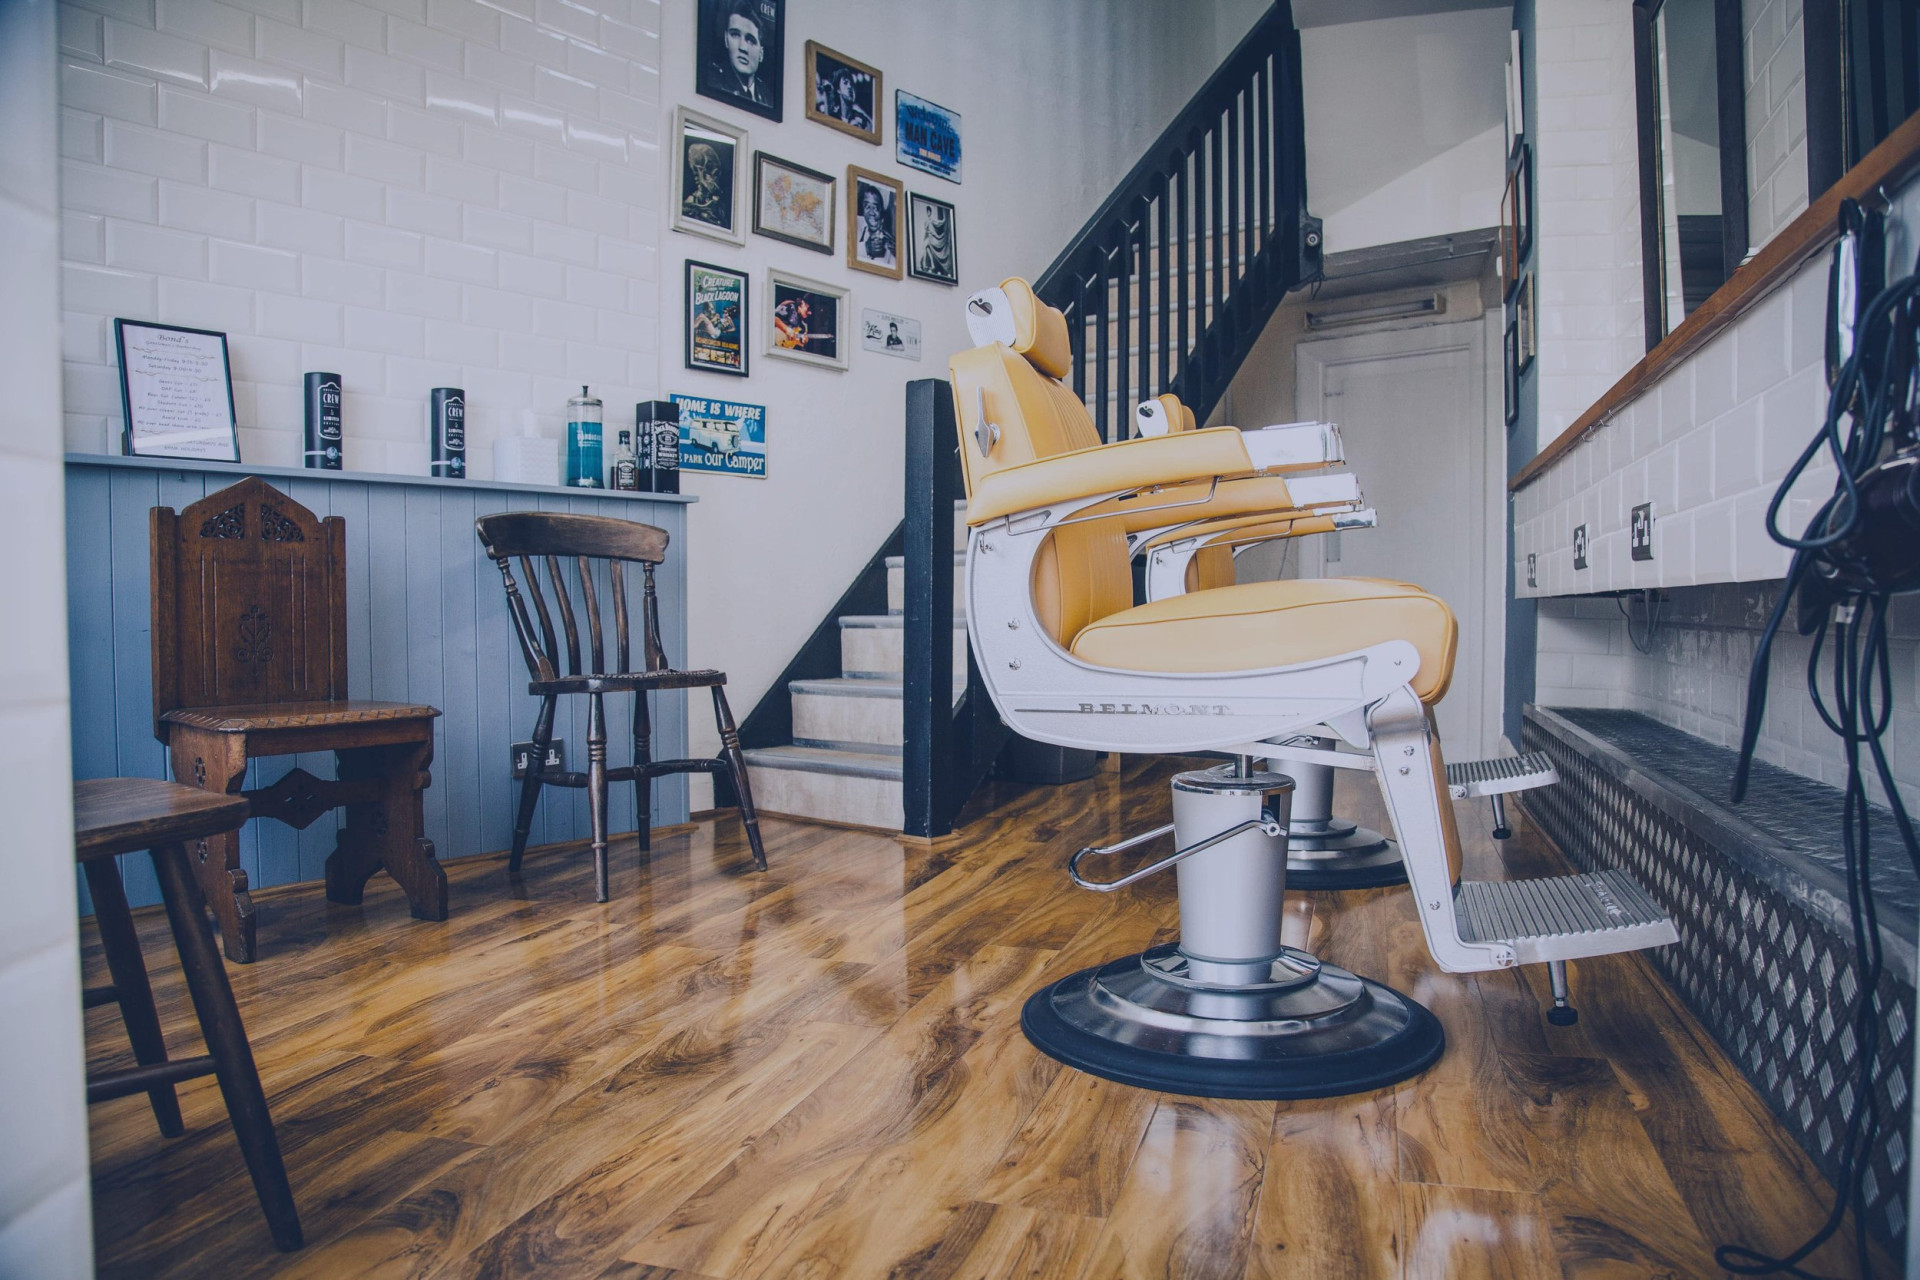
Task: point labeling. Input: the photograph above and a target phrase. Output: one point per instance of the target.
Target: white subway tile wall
(1776, 116)
(45, 1227)
(1695, 676)
(412, 194)
(1731, 421)
(1587, 205)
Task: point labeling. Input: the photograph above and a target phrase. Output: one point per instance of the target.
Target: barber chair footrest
(1596, 913)
(1316, 1032)
(1500, 775)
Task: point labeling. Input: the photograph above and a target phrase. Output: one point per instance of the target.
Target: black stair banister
(1205, 237)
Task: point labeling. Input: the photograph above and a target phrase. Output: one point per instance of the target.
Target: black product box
(656, 438)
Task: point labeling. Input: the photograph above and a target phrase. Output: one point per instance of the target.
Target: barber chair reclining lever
(1228, 1011)
(1325, 851)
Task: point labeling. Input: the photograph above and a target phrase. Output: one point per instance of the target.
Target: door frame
(1486, 450)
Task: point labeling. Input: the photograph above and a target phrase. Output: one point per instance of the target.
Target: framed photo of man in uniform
(709, 158)
(740, 50)
(873, 222)
(933, 241)
(806, 320)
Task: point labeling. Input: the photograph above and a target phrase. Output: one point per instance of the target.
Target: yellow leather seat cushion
(1276, 624)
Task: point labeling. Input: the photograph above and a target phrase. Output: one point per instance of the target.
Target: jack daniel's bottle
(657, 433)
(626, 466)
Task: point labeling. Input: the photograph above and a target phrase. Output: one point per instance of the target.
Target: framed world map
(792, 203)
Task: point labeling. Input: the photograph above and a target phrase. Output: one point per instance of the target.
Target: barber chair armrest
(1295, 446)
(1109, 468)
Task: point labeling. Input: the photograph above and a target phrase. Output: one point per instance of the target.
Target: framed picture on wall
(933, 240)
(1512, 367)
(716, 319)
(926, 136)
(708, 158)
(739, 50)
(1524, 319)
(176, 392)
(873, 222)
(792, 203)
(1523, 204)
(1509, 238)
(843, 93)
(806, 320)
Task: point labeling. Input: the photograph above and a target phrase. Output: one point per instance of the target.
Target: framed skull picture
(708, 159)
(932, 243)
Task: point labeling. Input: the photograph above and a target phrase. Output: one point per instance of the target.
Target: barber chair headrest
(1014, 316)
(1162, 415)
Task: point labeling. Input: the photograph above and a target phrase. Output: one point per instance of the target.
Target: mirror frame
(1731, 83)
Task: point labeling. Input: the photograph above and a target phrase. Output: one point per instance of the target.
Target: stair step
(855, 714)
(872, 646)
(827, 784)
(897, 584)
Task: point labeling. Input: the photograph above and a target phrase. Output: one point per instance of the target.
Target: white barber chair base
(1230, 1011)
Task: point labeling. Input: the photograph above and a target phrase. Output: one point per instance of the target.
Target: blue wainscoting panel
(427, 622)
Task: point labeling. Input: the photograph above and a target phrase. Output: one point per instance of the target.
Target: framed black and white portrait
(792, 203)
(739, 50)
(708, 159)
(873, 222)
(806, 320)
(933, 243)
(843, 93)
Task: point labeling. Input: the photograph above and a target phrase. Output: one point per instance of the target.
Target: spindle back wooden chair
(571, 550)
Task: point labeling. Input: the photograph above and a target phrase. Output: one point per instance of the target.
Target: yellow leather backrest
(1082, 574)
(1210, 567)
(1040, 331)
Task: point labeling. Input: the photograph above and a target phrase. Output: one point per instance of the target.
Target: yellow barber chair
(1325, 850)
(1228, 1010)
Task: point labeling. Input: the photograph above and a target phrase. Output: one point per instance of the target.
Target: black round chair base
(1563, 1017)
(1364, 860)
(1319, 1033)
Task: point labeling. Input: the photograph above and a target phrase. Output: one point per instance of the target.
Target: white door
(1430, 453)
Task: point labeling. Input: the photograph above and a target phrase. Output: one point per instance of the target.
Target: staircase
(1166, 288)
(843, 764)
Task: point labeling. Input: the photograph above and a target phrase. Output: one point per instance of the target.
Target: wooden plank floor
(819, 1072)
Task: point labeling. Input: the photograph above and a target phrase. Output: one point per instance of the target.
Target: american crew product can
(584, 463)
(323, 421)
(656, 433)
(447, 422)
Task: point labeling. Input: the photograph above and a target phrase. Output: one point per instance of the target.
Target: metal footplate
(1501, 775)
(1559, 918)
(1497, 778)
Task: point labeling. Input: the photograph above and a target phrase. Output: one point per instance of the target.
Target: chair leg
(226, 1039)
(530, 785)
(737, 766)
(642, 780)
(597, 789)
(218, 762)
(122, 947)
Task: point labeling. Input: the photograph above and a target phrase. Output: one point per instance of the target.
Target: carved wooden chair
(538, 538)
(250, 660)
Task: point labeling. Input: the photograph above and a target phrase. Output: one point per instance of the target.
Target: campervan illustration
(714, 434)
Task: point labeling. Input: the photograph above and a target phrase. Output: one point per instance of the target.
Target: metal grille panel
(1767, 980)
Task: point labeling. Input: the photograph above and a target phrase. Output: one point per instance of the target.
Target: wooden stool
(122, 815)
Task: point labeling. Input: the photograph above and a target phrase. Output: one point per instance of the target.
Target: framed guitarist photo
(806, 321)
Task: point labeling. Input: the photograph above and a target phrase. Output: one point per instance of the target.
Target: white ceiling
(1387, 95)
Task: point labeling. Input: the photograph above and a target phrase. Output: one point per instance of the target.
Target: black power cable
(1860, 549)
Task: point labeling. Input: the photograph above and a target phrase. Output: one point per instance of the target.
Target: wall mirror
(1691, 90)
